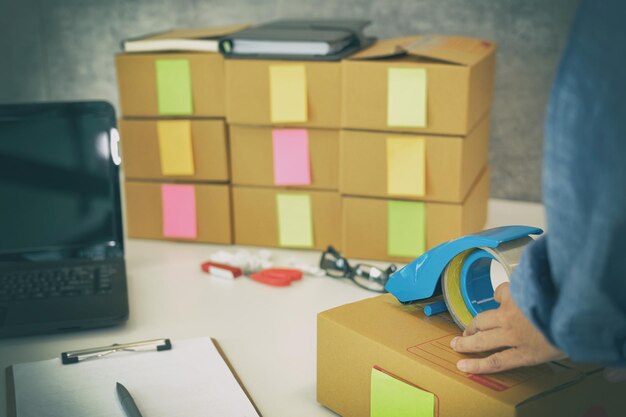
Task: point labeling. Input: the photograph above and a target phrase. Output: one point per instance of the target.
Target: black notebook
(298, 39)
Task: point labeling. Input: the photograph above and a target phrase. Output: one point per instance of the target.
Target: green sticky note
(391, 397)
(406, 228)
(407, 90)
(174, 94)
(295, 223)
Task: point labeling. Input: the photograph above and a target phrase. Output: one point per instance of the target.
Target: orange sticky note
(175, 147)
(288, 93)
(406, 166)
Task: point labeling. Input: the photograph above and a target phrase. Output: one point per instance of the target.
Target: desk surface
(268, 333)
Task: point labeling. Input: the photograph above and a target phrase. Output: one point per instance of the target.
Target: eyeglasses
(365, 276)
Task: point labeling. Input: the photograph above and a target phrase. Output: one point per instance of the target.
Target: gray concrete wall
(63, 49)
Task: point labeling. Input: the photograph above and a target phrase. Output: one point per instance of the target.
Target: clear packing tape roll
(461, 270)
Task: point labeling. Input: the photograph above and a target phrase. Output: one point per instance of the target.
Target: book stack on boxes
(382, 153)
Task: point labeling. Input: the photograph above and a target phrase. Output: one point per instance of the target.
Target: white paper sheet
(190, 380)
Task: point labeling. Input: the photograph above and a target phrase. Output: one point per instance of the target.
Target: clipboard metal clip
(98, 352)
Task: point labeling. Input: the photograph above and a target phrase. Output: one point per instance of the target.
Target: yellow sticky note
(295, 221)
(288, 93)
(407, 90)
(391, 397)
(175, 147)
(406, 166)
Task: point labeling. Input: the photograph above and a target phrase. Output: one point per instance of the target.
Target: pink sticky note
(292, 164)
(179, 211)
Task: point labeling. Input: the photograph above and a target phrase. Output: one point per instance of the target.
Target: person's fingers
(480, 342)
(483, 321)
(615, 374)
(501, 293)
(497, 362)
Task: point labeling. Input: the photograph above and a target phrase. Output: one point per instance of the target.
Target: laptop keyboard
(62, 282)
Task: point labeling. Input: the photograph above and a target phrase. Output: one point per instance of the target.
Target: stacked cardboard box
(414, 144)
(284, 119)
(377, 357)
(174, 146)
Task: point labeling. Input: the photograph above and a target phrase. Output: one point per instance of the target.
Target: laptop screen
(59, 189)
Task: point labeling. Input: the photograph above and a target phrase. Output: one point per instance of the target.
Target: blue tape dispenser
(461, 269)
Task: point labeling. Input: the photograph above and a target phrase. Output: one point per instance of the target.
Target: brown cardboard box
(144, 212)
(452, 163)
(137, 82)
(256, 219)
(248, 92)
(365, 222)
(141, 154)
(251, 152)
(460, 73)
(399, 339)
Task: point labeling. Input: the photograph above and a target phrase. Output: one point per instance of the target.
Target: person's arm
(572, 283)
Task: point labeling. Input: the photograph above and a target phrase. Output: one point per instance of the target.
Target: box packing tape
(462, 269)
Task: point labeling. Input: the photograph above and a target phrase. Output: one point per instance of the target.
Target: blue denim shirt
(572, 282)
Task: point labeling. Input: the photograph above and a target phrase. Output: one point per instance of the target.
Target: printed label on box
(175, 147)
(295, 222)
(406, 166)
(407, 91)
(174, 93)
(292, 165)
(179, 211)
(288, 93)
(406, 231)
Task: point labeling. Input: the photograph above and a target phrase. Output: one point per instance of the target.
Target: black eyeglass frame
(344, 270)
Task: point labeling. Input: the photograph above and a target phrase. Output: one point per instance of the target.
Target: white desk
(268, 333)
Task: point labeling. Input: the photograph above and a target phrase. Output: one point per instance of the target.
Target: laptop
(61, 241)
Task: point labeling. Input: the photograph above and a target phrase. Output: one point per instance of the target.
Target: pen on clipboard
(128, 404)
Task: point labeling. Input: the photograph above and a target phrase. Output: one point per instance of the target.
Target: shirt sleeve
(572, 282)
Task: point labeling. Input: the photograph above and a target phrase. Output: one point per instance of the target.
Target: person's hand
(505, 330)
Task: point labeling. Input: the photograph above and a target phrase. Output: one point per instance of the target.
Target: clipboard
(97, 353)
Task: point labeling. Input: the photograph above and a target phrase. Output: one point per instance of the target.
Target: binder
(275, 40)
(75, 359)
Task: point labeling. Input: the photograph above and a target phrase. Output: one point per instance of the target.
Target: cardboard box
(367, 224)
(450, 164)
(257, 218)
(144, 157)
(249, 92)
(192, 87)
(147, 211)
(433, 84)
(252, 151)
(414, 351)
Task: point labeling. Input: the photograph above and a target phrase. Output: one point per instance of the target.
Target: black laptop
(61, 241)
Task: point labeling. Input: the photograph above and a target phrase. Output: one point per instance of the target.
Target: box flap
(405, 330)
(452, 49)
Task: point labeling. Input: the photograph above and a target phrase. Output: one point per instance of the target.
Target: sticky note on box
(295, 222)
(406, 166)
(406, 228)
(174, 92)
(179, 211)
(175, 147)
(391, 397)
(407, 91)
(288, 93)
(292, 165)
